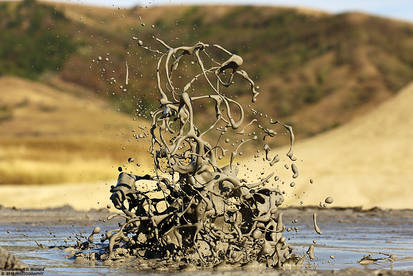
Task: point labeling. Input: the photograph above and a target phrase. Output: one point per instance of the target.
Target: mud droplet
(310, 252)
(295, 170)
(316, 228)
(329, 200)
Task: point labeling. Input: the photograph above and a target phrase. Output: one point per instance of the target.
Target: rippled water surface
(345, 242)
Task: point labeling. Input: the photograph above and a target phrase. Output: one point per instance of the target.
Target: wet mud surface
(348, 235)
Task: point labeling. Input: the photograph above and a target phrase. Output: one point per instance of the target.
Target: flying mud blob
(206, 215)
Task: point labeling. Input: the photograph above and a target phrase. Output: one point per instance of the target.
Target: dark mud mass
(205, 214)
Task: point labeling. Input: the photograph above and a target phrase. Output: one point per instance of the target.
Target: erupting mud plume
(201, 213)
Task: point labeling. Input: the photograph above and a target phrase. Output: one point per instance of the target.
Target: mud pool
(348, 235)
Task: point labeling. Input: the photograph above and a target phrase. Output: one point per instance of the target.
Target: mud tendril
(204, 214)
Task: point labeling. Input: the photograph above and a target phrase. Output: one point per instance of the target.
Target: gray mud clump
(200, 213)
(9, 261)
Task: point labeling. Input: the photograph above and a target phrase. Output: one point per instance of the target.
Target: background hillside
(315, 70)
(366, 162)
(318, 69)
(49, 136)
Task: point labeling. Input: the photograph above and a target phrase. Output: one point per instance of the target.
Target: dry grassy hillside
(367, 162)
(364, 163)
(317, 70)
(49, 136)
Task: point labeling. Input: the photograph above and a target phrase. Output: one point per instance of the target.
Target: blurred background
(339, 73)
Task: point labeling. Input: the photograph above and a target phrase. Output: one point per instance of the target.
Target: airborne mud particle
(127, 73)
(96, 230)
(295, 170)
(310, 252)
(369, 259)
(290, 153)
(329, 200)
(275, 160)
(316, 228)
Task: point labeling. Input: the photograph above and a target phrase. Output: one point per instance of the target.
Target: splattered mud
(198, 209)
(348, 236)
(206, 214)
(202, 212)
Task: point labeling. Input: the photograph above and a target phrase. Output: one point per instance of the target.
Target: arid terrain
(363, 163)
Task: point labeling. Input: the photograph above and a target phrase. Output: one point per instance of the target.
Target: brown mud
(196, 212)
(205, 215)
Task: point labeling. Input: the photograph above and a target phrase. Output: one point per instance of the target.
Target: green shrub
(34, 39)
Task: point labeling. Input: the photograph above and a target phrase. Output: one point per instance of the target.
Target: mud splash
(10, 262)
(200, 213)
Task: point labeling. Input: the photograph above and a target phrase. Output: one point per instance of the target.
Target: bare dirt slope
(367, 162)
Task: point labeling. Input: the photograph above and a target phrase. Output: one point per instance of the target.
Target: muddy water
(21, 242)
(347, 236)
(348, 243)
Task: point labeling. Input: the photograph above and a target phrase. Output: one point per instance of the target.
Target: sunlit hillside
(50, 136)
(317, 70)
(367, 162)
